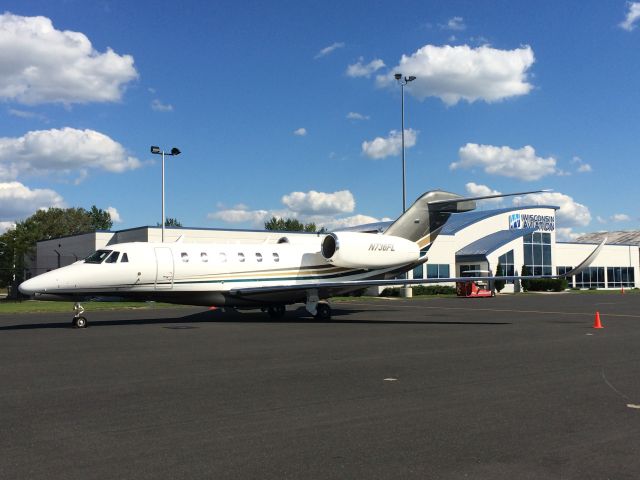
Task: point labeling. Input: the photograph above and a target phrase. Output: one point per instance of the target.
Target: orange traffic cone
(597, 323)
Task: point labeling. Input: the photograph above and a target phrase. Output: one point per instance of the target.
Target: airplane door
(164, 268)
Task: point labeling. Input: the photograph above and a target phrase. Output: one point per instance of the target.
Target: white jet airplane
(297, 268)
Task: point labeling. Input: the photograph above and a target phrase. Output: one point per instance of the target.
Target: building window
(506, 262)
(240, 257)
(276, 257)
(259, 257)
(618, 277)
(204, 257)
(466, 268)
(564, 269)
(418, 272)
(591, 277)
(537, 253)
(437, 270)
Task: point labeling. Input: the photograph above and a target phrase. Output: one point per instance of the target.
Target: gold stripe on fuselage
(267, 274)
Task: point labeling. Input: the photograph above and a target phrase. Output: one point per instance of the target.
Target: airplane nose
(27, 287)
(33, 285)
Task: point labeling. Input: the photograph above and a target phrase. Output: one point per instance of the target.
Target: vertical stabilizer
(422, 222)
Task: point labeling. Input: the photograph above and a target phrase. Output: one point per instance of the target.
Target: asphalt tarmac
(514, 387)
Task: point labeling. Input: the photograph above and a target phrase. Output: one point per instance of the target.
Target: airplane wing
(325, 288)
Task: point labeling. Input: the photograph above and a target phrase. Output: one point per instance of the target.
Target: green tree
(525, 283)
(289, 225)
(170, 222)
(100, 219)
(20, 241)
(499, 284)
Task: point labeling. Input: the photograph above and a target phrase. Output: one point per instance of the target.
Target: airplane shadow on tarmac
(299, 315)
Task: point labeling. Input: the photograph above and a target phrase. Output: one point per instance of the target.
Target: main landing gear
(276, 311)
(319, 310)
(78, 320)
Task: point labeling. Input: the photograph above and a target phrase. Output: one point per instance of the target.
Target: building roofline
(458, 219)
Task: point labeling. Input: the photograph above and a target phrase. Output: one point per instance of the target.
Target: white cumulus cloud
(522, 163)
(114, 214)
(321, 208)
(18, 201)
(360, 69)
(352, 221)
(4, 226)
(64, 150)
(581, 167)
(620, 217)
(382, 147)
(478, 190)
(300, 132)
(566, 234)
(454, 73)
(570, 214)
(241, 215)
(633, 14)
(39, 64)
(313, 202)
(327, 50)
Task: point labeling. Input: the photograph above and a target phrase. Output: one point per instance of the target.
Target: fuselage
(194, 273)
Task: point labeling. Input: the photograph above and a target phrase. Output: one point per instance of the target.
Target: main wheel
(276, 311)
(79, 322)
(323, 312)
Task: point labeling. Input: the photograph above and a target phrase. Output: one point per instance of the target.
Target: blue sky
(289, 108)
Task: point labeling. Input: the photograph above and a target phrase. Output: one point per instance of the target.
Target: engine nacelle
(368, 250)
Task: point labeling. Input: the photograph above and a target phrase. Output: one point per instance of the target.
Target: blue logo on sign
(514, 221)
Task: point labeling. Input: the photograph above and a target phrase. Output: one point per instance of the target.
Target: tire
(323, 312)
(79, 322)
(276, 311)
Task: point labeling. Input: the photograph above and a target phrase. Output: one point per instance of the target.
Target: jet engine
(368, 250)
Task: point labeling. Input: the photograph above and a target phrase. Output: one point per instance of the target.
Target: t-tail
(423, 221)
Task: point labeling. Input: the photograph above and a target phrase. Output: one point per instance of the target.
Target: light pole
(157, 151)
(402, 82)
(407, 291)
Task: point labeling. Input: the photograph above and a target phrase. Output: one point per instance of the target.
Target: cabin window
(185, 257)
(259, 257)
(125, 258)
(240, 257)
(276, 257)
(204, 257)
(113, 258)
(223, 257)
(97, 257)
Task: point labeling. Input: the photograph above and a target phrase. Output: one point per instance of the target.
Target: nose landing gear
(78, 320)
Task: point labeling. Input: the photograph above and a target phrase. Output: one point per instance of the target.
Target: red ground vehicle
(475, 288)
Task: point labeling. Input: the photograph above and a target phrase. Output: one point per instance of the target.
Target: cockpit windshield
(98, 256)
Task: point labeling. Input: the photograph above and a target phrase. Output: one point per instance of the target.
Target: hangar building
(476, 240)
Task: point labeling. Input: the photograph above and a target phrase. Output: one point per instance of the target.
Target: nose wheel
(78, 320)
